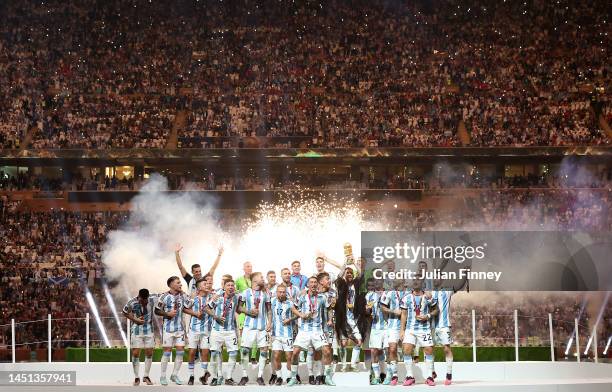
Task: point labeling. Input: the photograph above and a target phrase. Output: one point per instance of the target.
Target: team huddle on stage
(306, 319)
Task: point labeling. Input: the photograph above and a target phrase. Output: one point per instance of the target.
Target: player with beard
(351, 320)
(311, 308)
(415, 329)
(171, 306)
(378, 331)
(326, 289)
(223, 310)
(282, 332)
(140, 310)
(293, 292)
(199, 330)
(255, 304)
(390, 305)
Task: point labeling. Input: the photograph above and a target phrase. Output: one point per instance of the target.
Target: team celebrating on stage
(306, 319)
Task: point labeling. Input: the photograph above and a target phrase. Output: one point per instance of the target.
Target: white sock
(231, 363)
(355, 355)
(148, 362)
(310, 363)
(317, 368)
(244, 361)
(164, 362)
(136, 366)
(429, 364)
(204, 366)
(408, 364)
(329, 370)
(213, 364)
(263, 356)
(178, 361)
(393, 368)
(190, 366)
(449, 364)
(294, 370)
(219, 363)
(376, 370)
(343, 353)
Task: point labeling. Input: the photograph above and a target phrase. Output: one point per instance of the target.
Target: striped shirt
(225, 307)
(443, 300)
(166, 303)
(378, 318)
(255, 299)
(204, 323)
(392, 299)
(331, 295)
(316, 306)
(133, 306)
(416, 305)
(281, 310)
(293, 292)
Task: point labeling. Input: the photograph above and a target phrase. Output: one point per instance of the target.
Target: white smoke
(141, 254)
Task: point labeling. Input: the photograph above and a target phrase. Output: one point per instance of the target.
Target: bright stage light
(111, 303)
(94, 310)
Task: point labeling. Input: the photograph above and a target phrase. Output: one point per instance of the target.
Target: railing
(566, 338)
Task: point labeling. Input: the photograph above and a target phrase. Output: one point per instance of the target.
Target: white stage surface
(467, 376)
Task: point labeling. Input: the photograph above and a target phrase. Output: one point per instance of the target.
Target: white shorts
(421, 339)
(220, 338)
(316, 339)
(282, 344)
(443, 336)
(254, 336)
(393, 336)
(199, 340)
(142, 341)
(173, 339)
(378, 339)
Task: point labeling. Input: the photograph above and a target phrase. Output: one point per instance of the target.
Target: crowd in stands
(112, 74)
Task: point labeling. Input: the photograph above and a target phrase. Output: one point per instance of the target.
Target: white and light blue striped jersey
(225, 307)
(281, 311)
(168, 301)
(134, 307)
(316, 305)
(255, 299)
(204, 323)
(378, 318)
(443, 301)
(332, 296)
(392, 299)
(416, 305)
(293, 292)
(272, 291)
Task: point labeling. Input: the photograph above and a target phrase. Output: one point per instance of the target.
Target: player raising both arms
(222, 308)
(416, 329)
(140, 311)
(282, 333)
(196, 269)
(255, 304)
(199, 329)
(171, 306)
(311, 308)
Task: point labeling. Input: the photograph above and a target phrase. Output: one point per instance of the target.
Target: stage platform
(467, 376)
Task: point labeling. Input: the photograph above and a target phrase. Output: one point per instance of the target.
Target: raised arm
(179, 262)
(212, 270)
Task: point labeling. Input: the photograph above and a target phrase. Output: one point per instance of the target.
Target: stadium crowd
(331, 74)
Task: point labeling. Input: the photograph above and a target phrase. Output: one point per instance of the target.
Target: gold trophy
(348, 254)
